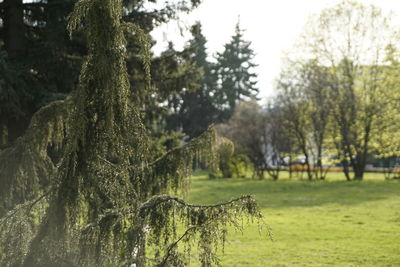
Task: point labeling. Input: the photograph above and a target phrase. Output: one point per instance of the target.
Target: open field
(325, 223)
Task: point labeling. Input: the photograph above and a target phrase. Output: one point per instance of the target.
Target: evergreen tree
(198, 109)
(176, 75)
(106, 202)
(208, 102)
(33, 37)
(235, 73)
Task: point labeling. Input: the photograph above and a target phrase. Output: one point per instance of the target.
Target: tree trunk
(359, 165)
(320, 171)
(346, 169)
(14, 29)
(359, 172)
(273, 173)
(261, 173)
(3, 135)
(309, 172)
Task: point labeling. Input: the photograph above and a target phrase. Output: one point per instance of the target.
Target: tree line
(192, 92)
(336, 99)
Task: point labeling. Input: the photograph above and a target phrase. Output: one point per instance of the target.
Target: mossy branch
(205, 223)
(167, 173)
(158, 200)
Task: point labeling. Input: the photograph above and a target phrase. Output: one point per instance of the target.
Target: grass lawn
(324, 223)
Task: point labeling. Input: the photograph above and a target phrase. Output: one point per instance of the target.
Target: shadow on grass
(281, 194)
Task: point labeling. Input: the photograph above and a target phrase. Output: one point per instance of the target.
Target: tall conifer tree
(235, 70)
(198, 109)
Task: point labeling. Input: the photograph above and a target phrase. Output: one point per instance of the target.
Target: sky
(271, 25)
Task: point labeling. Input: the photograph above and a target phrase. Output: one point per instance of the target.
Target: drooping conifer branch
(206, 223)
(144, 40)
(27, 206)
(27, 167)
(160, 200)
(169, 173)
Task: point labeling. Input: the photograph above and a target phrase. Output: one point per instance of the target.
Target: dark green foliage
(212, 96)
(16, 98)
(38, 42)
(35, 38)
(174, 75)
(197, 109)
(33, 35)
(235, 73)
(101, 201)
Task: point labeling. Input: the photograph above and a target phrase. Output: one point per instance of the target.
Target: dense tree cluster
(336, 98)
(33, 37)
(338, 101)
(212, 99)
(83, 186)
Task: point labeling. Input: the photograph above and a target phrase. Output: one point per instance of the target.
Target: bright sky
(271, 26)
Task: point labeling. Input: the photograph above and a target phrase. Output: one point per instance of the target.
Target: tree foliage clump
(247, 129)
(339, 88)
(28, 166)
(103, 201)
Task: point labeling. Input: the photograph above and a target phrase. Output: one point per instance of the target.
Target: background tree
(291, 101)
(34, 38)
(218, 87)
(337, 38)
(247, 129)
(235, 73)
(315, 81)
(198, 109)
(304, 89)
(278, 142)
(387, 145)
(174, 75)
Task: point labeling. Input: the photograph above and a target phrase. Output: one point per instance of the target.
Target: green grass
(324, 223)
